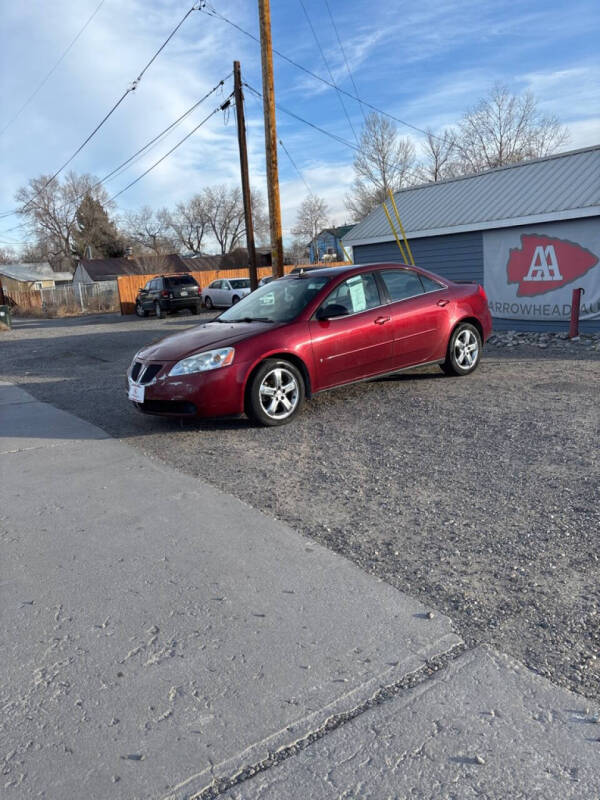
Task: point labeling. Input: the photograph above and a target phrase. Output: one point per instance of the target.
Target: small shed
(24, 277)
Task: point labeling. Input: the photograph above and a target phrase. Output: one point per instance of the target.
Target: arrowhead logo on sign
(543, 263)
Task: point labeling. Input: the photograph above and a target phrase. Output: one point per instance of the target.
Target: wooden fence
(129, 285)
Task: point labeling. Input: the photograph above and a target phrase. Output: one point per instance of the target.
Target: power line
(302, 178)
(222, 107)
(129, 161)
(337, 35)
(53, 69)
(132, 88)
(214, 13)
(340, 98)
(334, 136)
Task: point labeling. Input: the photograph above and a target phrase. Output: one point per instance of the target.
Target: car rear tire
(464, 350)
(208, 303)
(194, 309)
(235, 299)
(157, 309)
(139, 310)
(275, 393)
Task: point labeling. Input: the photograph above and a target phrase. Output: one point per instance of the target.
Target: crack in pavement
(220, 784)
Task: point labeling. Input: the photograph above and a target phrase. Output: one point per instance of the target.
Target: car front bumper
(214, 393)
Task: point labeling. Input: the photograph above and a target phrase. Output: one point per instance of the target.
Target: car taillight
(164, 293)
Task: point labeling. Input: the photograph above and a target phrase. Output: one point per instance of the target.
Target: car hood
(209, 336)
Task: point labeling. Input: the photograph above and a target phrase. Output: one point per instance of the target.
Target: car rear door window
(401, 284)
(356, 294)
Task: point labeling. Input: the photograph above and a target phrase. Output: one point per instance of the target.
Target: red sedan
(309, 332)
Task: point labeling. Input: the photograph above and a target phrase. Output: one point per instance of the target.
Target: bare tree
(225, 215)
(297, 252)
(7, 255)
(149, 231)
(50, 210)
(385, 161)
(504, 129)
(440, 158)
(311, 219)
(189, 223)
(223, 208)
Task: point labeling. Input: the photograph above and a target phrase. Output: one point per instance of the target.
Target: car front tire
(464, 350)
(275, 394)
(139, 310)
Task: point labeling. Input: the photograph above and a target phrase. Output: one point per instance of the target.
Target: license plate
(136, 393)
(183, 294)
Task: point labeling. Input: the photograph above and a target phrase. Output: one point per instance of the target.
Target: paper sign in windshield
(357, 293)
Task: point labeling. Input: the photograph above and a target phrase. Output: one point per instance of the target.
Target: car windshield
(279, 301)
(241, 283)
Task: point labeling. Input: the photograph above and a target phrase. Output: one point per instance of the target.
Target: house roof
(338, 232)
(107, 269)
(33, 272)
(562, 186)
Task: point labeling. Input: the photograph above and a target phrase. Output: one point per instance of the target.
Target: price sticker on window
(357, 293)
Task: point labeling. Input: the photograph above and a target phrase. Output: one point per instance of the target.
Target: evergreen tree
(95, 230)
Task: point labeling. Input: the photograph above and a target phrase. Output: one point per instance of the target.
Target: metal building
(530, 233)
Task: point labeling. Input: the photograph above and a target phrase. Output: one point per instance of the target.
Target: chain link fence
(65, 301)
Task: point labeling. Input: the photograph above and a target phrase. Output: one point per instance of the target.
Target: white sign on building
(530, 272)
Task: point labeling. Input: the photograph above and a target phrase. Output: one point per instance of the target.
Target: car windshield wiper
(252, 319)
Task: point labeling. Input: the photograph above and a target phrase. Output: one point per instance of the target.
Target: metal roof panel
(560, 183)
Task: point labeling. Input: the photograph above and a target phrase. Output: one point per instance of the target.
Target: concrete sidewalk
(160, 638)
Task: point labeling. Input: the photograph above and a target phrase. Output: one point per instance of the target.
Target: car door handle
(382, 320)
(442, 303)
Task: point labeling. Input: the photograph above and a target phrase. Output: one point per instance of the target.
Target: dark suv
(168, 293)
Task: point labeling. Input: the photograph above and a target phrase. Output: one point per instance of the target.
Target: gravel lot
(479, 496)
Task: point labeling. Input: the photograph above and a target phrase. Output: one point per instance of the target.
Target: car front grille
(144, 374)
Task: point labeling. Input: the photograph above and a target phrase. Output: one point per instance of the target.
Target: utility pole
(266, 50)
(241, 129)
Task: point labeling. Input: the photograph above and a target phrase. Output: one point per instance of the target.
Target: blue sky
(425, 62)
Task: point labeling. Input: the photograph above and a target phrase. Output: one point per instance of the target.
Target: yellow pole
(347, 257)
(408, 250)
(398, 242)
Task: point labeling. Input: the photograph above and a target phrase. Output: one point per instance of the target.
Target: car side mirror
(331, 311)
(143, 291)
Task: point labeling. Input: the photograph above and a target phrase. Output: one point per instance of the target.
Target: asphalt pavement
(162, 639)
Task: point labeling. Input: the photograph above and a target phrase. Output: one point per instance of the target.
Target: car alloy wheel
(139, 310)
(157, 309)
(275, 393)
(464, 351)
(208, 303)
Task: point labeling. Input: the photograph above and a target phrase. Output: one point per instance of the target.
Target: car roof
(352, 268)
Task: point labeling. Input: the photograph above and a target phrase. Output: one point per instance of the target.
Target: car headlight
(201, 362)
